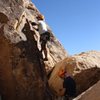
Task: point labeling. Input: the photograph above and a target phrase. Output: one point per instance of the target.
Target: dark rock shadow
(86, 79)
(30, 50)
(3, 18)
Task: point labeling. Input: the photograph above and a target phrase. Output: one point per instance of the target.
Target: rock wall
(22, 69)
(93, 93)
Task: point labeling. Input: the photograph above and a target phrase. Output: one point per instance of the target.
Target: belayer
(69, 85)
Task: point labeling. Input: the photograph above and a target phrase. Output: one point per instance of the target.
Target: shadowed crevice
(3, 18)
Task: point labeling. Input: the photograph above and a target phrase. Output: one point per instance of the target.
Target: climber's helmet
(40, 17)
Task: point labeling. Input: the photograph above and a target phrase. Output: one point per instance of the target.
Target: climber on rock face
(44, 35)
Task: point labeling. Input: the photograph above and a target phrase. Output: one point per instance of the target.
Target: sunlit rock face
(22, 69)
(84, 68)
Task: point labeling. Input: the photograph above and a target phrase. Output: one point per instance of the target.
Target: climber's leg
(44, 49)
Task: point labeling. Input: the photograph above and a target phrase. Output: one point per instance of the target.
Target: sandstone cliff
(22, 69)
(85, 68)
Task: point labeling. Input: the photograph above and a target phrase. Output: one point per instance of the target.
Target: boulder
(93, 93)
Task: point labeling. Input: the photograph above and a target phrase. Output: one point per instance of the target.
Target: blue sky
(76, 23)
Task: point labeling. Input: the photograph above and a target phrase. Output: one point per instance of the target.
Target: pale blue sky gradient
(76, 23)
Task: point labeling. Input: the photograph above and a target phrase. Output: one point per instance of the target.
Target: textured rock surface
(85, 68)
(93, 93)
(22, 69)
(56, 53)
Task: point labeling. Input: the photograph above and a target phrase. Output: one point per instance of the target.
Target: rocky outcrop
(22, 69)
(84, 68)
(56, 53)
(93, 93)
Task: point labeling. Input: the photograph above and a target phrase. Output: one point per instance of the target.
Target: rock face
(22, 69)
(56, 53)
(84, 67)
(93, 93)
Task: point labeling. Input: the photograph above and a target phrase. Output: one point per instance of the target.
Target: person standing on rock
(69, 85)
(44, 34)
